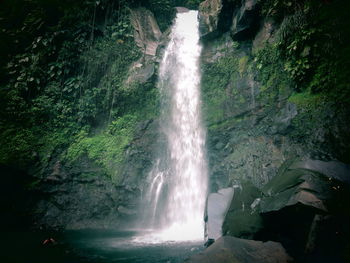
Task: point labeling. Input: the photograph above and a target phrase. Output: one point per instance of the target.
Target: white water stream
(178, 180)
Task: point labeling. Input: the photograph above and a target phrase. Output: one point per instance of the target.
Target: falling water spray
(178, 180)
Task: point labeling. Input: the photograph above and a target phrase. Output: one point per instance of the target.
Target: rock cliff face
(254, 121)
(215, 17)
(245, 22)
(146, 31)
(83, 194)
(261, 136)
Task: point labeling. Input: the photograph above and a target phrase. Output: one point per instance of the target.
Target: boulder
(215, 17)
(217, 206)
(148, 38)
(246, 20)
(146, 31)
(141, 71)
(242, 218)
(302, 207)
(234, 250)
(307, 182)
(292, 197)
(298, 185)
(332, 169)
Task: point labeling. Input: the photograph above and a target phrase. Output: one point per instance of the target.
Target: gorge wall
(277, 133)
(86, 193)
(257, 116)
(76, 153)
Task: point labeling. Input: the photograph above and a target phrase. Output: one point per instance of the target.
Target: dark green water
(91, 246)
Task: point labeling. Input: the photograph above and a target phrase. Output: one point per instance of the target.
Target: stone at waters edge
(217, 206)
(243, 219)
(235, 250)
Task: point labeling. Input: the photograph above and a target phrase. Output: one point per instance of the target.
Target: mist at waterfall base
(93, 246)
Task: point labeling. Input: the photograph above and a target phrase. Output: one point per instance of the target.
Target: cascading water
(178, 180)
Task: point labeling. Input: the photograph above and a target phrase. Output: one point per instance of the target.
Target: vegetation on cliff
(300, 53)
(64, 67)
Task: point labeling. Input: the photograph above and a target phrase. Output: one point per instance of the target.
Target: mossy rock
(242, 223)
(241, 219)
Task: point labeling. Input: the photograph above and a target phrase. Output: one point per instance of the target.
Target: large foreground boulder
(242, 218)
(217, 206)
(311, 183)
(304, 207)
(235, 250)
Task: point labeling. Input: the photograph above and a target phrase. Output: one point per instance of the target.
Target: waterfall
(178, 180)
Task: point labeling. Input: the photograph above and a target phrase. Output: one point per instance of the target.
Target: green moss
(306, 99)
(263, 88)
(242, 64)
(275, 81)
(17, 146)
(241, 99)
(107, 148)
(216, 77)
(226, 123)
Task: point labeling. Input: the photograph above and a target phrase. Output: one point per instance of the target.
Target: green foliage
(53, 142)
(299, 46)
(311, 41)
(215, 78)
(278, 9)
(242, 64)
(122, 124)
(143, 101)
(275, 81)
(307, 100)
(267, 61)
(106, 148)
(17, 148)
(106, 67)
(310, 56)
(68, 81)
